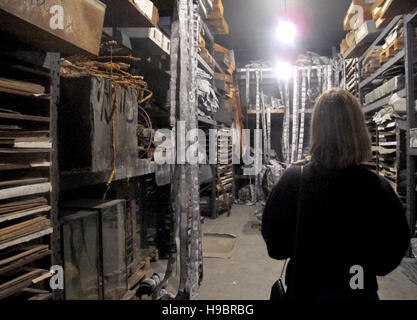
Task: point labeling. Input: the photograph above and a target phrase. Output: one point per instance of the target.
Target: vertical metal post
(54, 169)
(359, 80)
(213, 151)
(411, 117)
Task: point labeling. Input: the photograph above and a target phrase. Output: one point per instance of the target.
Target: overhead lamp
(287, 32)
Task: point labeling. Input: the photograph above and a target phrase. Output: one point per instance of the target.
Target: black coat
(348, 217)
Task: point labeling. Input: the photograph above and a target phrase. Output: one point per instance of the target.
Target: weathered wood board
(39, 23)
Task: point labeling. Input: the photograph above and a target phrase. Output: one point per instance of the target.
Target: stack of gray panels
(391, 86)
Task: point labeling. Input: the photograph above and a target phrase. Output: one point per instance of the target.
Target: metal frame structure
(410, 24)
(205, 123)
(47, 65)
(406, 54)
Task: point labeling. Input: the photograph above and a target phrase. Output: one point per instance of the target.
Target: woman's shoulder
(291, 173)
(290, 178)
(377, 180)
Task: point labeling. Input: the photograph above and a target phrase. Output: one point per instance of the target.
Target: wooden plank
(23, 151)
(41, 296)
(21, 86)
(15, 281)
(218, 26)
(31, 274)
(12, 166)
(225, 77)
(136, 278)
(125, 13)
(32, 143)
(27, 238)
(391, 8)
(35, 290)
(207, 57)
(5, 232)
(24, 261)
(129, 295)
(9, 127)
(23, 213)
(10, 206)
(25, 190)
(42, 277)
(218, 10)
(18, 116)
(22, 181)
(30, 21)
(367, 15)
(32, 250)
(16, 285)
(24, 228)
(19, 134)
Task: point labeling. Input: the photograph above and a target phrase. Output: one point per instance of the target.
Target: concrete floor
(249, 274)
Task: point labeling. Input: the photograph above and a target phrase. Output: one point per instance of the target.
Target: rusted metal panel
(86, 102)
(66, 26)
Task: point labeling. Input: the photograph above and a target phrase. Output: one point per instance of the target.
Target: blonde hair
(339, 136)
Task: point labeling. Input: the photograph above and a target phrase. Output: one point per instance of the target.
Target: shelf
(77, 179)
(206, 121)
(145, 43)
(203, 9)
(23, 151)
(207, 31)
(123, 41)
(28, 95)
(26, 69)
(280, 111)
(23, 117)
(218, 67)
(384, 33)
(127, 14)
(17, 215)
(412, 152)
(382, 102)
(205, 66)
(411, 17)
(27, 190)
(28, 238)
(382, 69)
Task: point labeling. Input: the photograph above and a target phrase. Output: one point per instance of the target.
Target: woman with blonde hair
(340, 224)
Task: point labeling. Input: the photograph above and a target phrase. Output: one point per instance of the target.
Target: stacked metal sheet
(352, 76)
(394, 84)
(224, 170)
(388, 137)
(372, 128)
(207, 98)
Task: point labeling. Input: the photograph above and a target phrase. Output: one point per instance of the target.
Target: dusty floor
(250, 273)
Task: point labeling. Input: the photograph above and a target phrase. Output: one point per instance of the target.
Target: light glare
(284, 70)
(287, 32)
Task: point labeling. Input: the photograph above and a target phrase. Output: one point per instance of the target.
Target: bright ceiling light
(284, 70)
(287, 32)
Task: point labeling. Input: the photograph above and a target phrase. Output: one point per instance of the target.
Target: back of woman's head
(339, 136)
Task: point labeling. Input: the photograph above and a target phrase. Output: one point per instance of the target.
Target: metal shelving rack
(365, 83)
(205, 123)
(40, 67)
(405, 57)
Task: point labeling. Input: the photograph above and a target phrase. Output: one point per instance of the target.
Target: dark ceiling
(253, 25)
